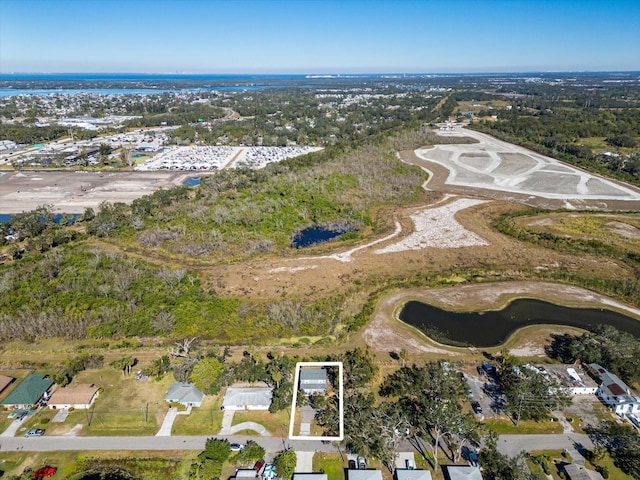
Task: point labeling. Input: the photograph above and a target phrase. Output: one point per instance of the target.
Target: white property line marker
(340, 437)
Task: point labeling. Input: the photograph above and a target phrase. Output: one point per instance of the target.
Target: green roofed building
(29, 392)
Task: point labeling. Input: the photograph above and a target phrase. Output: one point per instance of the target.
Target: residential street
(508, 444)
(514, 444)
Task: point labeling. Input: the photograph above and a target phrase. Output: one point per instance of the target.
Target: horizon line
(326, 74)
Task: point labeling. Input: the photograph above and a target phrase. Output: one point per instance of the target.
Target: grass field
(204, 420)
(277, 424)
(125, 406)
(557, 460)
(150, 465)
(330, 463)
(621, 231)
(524, 427)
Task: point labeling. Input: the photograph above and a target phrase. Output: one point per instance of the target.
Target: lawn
(557, 460)
(330, 463)
(150, 465)
(277, 423)
(126, 406)
(204, 420)
(524, 427)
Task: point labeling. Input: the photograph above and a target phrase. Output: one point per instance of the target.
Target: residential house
(5, 381)
(313, 380)
(30, 391)
(310, 476)
(461, 472)
(614, 392)
(246, 473)
(578, 472)
(412, 474)
(185, 394)
(247, 398)
(80, 396)
(364, 474)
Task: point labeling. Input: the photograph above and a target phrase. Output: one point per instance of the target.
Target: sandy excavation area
(72, 192)
(493, 168)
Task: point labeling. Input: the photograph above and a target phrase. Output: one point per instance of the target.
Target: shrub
(44, 421)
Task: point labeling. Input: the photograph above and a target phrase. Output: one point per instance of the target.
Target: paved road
(507, 444)
(514, 444)
(43, 444)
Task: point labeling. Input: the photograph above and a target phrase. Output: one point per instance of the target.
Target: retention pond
(492, 328)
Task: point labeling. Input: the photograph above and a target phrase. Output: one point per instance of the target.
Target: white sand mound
(437, 228)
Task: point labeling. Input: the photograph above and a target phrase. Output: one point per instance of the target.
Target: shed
(185, 394)
(247, 398)
(29, 392)
(81, 396)
(313, 380)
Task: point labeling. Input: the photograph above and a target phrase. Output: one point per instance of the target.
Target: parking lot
(485, 390)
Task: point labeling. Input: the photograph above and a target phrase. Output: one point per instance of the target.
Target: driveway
(13, 427)
(304, 462)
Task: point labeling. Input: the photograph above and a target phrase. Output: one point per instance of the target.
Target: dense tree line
(77, 292)
(617, 351)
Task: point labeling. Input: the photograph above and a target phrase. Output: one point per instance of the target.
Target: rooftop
(30, 390)
(247, 396)
(81, 394)
(183, 393)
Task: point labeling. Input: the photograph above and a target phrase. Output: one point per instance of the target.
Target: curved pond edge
(563, 295)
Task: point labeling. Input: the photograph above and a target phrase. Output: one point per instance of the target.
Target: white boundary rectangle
(295, 401)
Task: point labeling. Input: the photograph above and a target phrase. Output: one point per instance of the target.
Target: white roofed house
(313, 380)
(614, 392)
(247, 398)
(186, 394)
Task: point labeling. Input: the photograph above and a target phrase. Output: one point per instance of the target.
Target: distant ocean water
(128, 83)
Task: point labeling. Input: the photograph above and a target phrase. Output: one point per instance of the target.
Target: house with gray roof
(412, 474)
(310, 476)
(313, 380)
(462, 472)
(185, 394)
(578, 472)
(33, 388)
(364, 474)
(247, 398)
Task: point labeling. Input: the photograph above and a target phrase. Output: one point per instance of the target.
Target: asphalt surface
(507, 444)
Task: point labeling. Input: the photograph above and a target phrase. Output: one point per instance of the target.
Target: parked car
(409, 464)
(352, 464)
(477, 408)
(35, 432)
(236, 447)
(362, 463)
(21, 415)
(480, 370)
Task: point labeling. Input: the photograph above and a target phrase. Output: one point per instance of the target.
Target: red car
(45, 472)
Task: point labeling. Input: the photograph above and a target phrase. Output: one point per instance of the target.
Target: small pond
(191, 182)
(314, 235)
(492, 328)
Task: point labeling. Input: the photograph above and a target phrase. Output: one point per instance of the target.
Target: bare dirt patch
(623, 229)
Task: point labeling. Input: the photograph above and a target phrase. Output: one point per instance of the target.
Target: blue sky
(318, 36)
